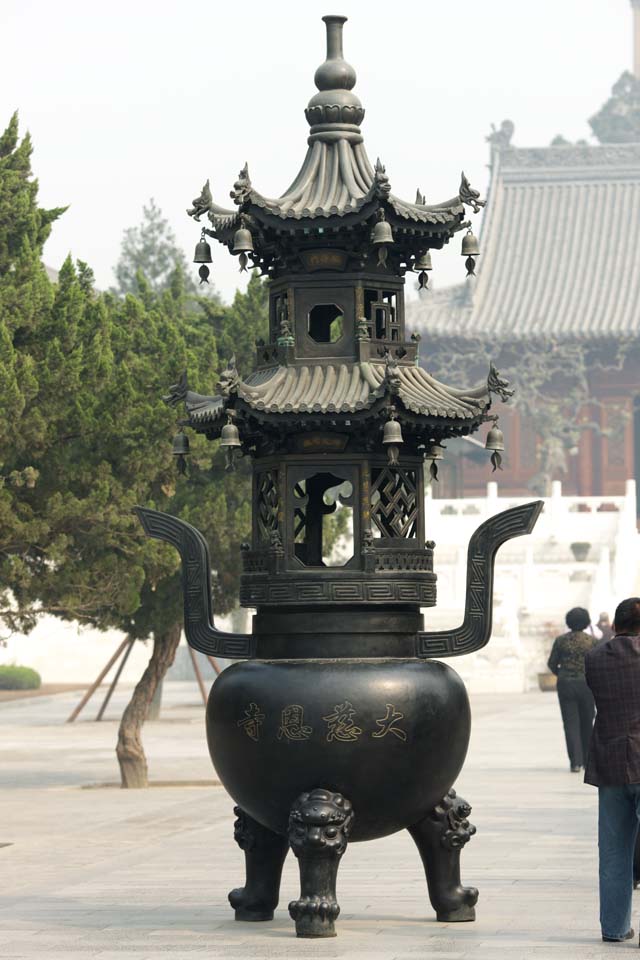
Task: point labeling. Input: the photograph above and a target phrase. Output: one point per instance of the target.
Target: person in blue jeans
(612, 671)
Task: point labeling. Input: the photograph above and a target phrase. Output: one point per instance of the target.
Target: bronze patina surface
(336, 725)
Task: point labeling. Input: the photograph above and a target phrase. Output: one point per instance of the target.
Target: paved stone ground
(104, 873)
(45, 690)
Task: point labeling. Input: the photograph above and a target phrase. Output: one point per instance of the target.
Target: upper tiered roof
(336, 180)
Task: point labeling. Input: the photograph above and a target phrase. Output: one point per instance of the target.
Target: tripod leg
(264, 854)
(319, 826)
(440, 838)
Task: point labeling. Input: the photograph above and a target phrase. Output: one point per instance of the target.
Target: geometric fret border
(421, 591)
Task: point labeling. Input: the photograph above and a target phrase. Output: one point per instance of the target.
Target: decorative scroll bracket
(199, 627)
(475, 630)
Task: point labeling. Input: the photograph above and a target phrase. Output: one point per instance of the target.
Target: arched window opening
(323, 520)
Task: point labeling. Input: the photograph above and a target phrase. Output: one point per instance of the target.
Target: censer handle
(475, 630)
(199, 627)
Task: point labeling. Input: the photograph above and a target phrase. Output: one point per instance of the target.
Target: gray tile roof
(560, 249)
(337, 178)
(343, 388)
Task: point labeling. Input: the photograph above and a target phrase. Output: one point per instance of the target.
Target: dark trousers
(577, 709)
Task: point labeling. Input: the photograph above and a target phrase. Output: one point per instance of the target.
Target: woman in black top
(576, 702)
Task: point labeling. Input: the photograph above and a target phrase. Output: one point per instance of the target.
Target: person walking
(612, 671)
(604, 626)
(566, 661)
(594, 631)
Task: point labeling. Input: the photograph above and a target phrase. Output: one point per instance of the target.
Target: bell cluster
(392, 438)
(381, 239)
(242, 245)
(229, 439)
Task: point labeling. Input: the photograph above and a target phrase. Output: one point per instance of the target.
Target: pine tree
(26, 301)
(618, 121)
(236, 328)
(151, 249)
(85, 436)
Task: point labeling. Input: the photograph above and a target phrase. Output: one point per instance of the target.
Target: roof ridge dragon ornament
(469, 196)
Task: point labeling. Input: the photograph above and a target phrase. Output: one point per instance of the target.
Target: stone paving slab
(105, 873)
(45, 690)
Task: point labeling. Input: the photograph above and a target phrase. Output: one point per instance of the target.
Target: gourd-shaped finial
(335, 78)
(335, 73)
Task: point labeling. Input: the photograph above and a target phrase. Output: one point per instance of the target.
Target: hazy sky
(127, 101)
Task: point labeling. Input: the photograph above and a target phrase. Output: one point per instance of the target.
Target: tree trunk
(130, 752)
(153, 713)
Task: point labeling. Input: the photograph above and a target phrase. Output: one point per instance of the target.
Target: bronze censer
(336, 725)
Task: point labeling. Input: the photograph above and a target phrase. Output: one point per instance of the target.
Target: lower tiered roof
(340, 388)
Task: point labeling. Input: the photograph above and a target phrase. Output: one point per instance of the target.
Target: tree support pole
(114, 682)
(196, 670)
(94, 686)
(214, 663)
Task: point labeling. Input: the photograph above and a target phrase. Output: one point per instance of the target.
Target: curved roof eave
(345, 389)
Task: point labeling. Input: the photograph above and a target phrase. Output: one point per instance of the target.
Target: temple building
(558, 286)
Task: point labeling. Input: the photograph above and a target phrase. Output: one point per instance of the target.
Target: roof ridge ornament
(201, 204)
(177, 391)
(229, 379)
(497, 384)
(469, 196)
(501, 138)
(242, 187)
(381, 185)
(392, 375)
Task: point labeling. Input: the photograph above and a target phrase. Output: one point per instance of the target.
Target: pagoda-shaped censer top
(337, 413)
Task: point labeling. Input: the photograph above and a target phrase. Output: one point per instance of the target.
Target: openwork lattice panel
(394, 502)
(267, 503)
(300, 511)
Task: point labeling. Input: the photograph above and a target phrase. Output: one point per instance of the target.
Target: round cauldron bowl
(391, 735)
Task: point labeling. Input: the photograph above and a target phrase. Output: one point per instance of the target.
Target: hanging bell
(470, 250)
(392, 438)
(181, 450)
(230, 435)
(495, 442)
(242, 243)
(423, 264)
(382, 236)
(392, 432)
(230, 439)
(434, 454)
(203, 250)
(203, 256)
